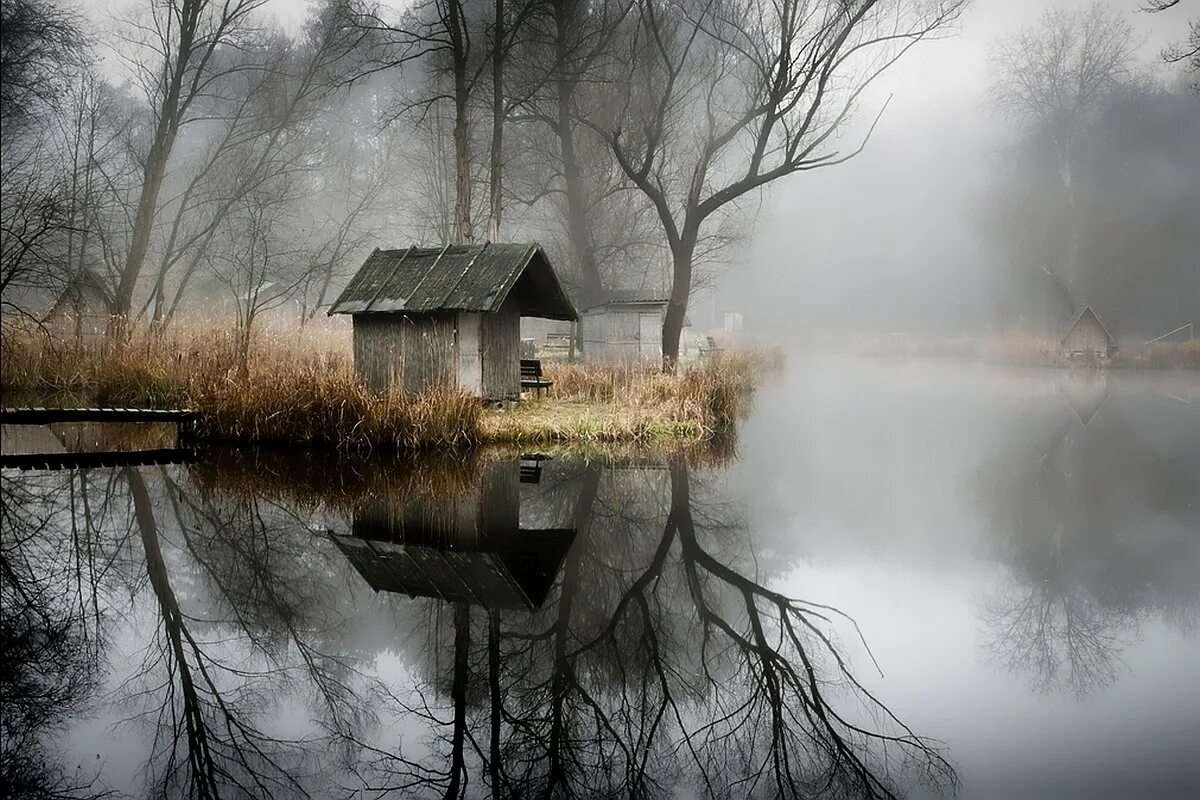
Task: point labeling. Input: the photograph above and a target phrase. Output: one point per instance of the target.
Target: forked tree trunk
(462, 130)
(578, 231)
(681, 291)
(496, 178)
(155, 169)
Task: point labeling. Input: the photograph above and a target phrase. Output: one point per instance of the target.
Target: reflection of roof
(420, 280)
(1085, 396)
(1086, 310)
(514, 572)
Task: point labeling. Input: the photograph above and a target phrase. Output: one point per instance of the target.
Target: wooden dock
(49, 416)
(122, 458)
(184, 419)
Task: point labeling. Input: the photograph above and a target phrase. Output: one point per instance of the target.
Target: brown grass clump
(294, 388)
(1162, 355)
(297, 386)
(609, 402)
(1022, 349)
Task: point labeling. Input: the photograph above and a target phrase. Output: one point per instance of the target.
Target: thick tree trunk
(155, 169)
(578, 231)
(463, 233)
(496, 204)
(143, 222)
(458, 694)
(681, 291)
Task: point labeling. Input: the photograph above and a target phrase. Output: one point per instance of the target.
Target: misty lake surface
(912, 578)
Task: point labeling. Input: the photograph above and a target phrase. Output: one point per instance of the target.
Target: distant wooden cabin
(1086, 337)
(83, 308)
(449, 317)
(627, 328)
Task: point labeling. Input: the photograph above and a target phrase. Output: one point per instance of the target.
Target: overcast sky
(892, 232)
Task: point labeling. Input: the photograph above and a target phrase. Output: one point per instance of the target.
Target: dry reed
(297, 387)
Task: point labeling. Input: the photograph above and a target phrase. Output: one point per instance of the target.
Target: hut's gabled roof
(1086, 311)
(421, 280)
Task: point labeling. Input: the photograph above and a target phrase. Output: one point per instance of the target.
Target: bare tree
(1185, 52)
(176, 63)
(263, 108)
(41, 46)
(1055, 76)
(726, 96)
(437, 36)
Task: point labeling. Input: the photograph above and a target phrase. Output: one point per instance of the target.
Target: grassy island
(297, 387)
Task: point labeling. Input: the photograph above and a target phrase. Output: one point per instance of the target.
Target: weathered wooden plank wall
(414, 353)
(616, 333)
(500, 343)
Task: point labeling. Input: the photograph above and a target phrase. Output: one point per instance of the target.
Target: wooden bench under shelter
(709, 348)
(531, 375)
(557, 341)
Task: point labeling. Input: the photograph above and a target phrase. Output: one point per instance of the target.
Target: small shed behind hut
(628, 327)
(449, 317)
(1086, 336)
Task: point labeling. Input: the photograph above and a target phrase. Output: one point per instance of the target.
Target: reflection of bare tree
(1065, 499)
(208, 707)
(49, 630)
(656, 665)
(661, 660)
(1057, 635)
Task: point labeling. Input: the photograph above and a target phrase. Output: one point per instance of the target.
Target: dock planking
(124, 458)
(49, 416)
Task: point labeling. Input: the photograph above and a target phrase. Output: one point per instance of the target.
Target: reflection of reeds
(342, 482)
(88, 437)
(348, 481)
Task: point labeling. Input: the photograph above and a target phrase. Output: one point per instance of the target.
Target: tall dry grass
(717, 390)
(294, 387)
(1162, 355)
(297, 386)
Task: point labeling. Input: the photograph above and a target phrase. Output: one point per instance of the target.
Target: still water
(902, 580)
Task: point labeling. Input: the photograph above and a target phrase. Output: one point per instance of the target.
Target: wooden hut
(1086, 336)
(628, 327)
(449, 317)
(83, 308)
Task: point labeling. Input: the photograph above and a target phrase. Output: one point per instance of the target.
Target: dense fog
(920, 167)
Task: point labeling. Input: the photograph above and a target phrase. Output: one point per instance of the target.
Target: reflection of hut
(626, 328)
(1085, 394)
(83, 308)
(1086, 336)
(468, 547)
(449, 316)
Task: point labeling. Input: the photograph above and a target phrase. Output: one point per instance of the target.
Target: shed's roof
(632, 297)
(481, 277)
(1086, 311)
